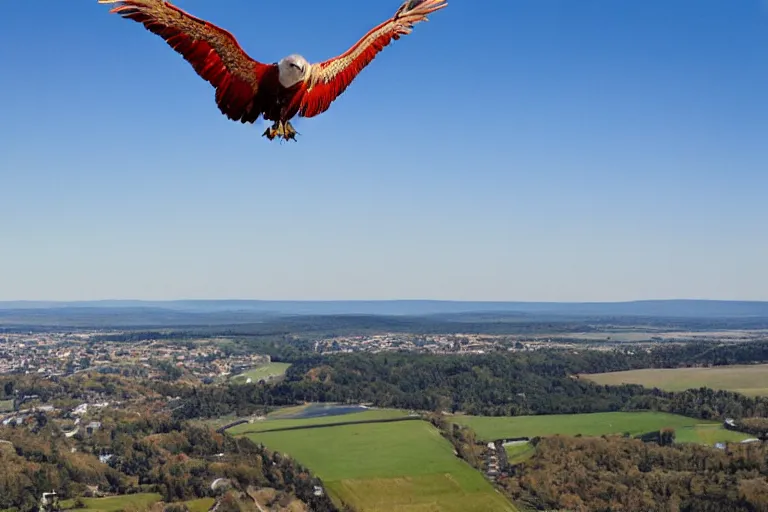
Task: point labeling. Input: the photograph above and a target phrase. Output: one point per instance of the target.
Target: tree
(667, 436)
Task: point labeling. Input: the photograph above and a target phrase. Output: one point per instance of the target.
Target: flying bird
(247, 88)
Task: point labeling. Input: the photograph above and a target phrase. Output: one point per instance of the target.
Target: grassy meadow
(132, 502)
(267, 371)
(114, 503)
(200, 505)
(751, 380)
(376, 467)
(597, 424)
(709, 435)
(519, 452)
(6, 405)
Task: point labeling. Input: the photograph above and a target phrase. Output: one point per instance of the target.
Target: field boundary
(222, 429)
(338, 424)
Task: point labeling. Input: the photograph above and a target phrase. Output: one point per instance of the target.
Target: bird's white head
(293, 69)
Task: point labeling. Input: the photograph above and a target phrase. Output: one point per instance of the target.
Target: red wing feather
(329, 79)
(213, 52)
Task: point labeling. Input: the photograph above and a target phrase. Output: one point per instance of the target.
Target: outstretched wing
(327, 80)
(213, 52)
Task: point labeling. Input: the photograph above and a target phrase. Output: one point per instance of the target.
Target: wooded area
(496, 384)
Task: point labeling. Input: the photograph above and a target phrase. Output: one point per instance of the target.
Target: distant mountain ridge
(679, 308)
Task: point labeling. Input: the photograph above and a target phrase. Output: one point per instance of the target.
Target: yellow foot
(280, 130)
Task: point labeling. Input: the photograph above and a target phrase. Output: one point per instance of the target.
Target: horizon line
(476, 301)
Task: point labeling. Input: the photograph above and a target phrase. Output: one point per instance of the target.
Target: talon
(280, 130)
(289, 132)
(271, 132)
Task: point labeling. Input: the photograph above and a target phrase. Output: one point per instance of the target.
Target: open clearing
(519, 452)
(115, 503)
(687, 429)
(377, 467)
(749, 380)
(612, 336)
(6, 405)
(140, 501)
(709, 435)
(268, 371)
(200, 505)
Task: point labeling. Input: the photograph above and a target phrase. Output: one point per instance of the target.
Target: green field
(399, 466)
(597, 424)
(750, 380)
(6, 405)
(517, 453)
(117, 503)
(263, 372)
(271, 424)
(114, 503)
(709, 435)
(200, 505)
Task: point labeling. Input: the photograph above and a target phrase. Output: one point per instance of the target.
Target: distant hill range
(255, 309)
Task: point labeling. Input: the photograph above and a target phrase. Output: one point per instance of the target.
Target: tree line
(498, 384)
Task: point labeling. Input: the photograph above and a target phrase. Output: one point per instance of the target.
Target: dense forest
(542, 382)
(503, 383)
(152, 453)
(618, 474)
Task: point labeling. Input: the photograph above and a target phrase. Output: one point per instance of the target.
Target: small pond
(321, 410)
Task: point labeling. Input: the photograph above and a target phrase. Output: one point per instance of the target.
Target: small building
(49, 501)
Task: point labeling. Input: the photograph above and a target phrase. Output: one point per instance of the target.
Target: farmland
(268, 371)
(6, 405)
(751, 380)
(405, 466)
(597, 424)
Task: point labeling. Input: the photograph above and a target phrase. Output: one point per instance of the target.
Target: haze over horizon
(362, 300)
(620, 157)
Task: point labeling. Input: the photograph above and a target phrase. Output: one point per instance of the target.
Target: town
(61, 354)
(65, 353)
(204, 359)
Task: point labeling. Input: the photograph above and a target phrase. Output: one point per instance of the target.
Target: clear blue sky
(507, 149)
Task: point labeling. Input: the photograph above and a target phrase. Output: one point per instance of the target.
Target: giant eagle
(247, 88)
